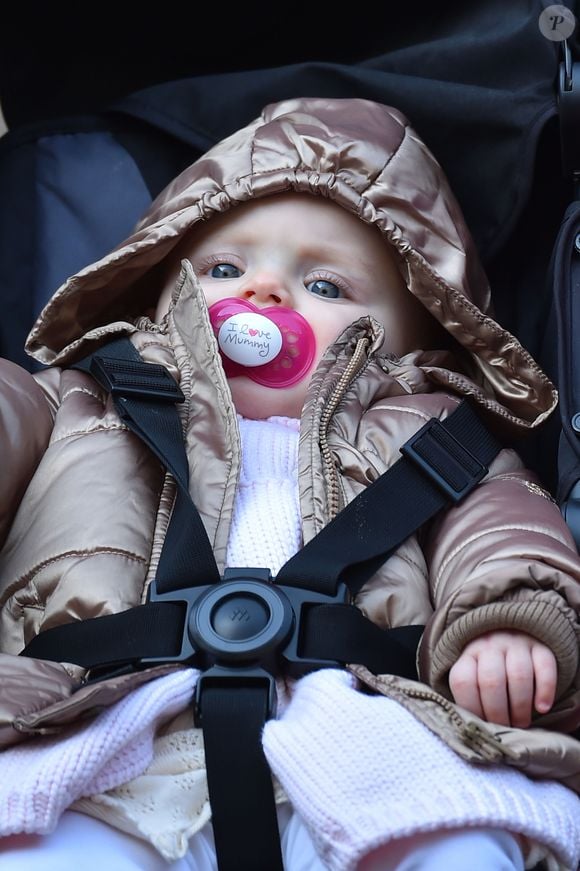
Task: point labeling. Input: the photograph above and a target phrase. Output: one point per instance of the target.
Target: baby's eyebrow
(346, 259)
(324, 249)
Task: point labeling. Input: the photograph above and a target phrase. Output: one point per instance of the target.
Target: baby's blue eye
(323, 288)
(225, 270)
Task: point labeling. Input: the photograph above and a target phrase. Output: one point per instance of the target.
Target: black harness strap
(336, 631)
(239, 778)
(441, 463)
(308, 624)
(145, 395)
(154, 630)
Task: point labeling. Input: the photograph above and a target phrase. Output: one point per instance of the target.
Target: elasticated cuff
(539, 618)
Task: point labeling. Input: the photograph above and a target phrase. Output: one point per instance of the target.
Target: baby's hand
(500, 674)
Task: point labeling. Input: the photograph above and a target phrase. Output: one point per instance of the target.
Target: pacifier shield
(273, 346)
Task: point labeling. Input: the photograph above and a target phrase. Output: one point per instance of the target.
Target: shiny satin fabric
(367, 158)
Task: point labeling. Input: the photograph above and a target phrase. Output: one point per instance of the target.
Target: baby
(312, 287)
(321, 261)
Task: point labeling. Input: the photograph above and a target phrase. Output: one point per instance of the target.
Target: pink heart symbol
(253, 332)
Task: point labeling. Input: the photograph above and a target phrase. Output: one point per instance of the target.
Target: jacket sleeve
(26, 422)
(502, 559)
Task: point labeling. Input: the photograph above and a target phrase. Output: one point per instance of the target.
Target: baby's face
(307, 254)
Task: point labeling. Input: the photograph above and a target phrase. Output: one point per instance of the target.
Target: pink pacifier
(273, 346)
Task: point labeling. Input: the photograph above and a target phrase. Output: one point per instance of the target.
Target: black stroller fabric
(111, 121)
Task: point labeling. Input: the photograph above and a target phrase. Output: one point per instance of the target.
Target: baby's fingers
(493, 686)
(546, 677)
(520, 677)
(463, 684)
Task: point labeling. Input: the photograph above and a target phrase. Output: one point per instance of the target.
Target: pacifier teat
(273, 346)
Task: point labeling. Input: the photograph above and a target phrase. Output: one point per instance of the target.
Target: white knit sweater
(266, 529)
(359, 769)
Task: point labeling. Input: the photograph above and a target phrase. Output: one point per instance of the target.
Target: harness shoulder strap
(145, 396)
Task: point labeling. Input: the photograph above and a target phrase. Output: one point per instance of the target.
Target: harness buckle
(444, 460)
(188, 597)
(295, 664)
(244, 630)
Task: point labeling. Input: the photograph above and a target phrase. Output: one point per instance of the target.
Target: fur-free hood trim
(367, 158)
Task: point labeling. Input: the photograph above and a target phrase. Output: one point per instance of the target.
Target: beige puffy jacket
(85, 506)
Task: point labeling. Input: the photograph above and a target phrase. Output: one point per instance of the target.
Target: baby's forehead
(316, 222)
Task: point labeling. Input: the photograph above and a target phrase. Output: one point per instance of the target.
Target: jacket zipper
(471, 733)
(354, 367)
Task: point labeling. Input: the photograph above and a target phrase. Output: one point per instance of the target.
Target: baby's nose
(266, 288)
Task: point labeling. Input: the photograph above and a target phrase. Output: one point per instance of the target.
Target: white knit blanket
(41, 778)
(361, 771)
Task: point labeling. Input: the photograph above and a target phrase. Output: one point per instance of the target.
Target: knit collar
(269, 448)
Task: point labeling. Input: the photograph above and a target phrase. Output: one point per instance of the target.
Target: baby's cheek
(327, 330)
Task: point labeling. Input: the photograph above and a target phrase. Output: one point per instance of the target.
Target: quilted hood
(367, 158)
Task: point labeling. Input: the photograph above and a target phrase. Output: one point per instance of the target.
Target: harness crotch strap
(246, 628)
